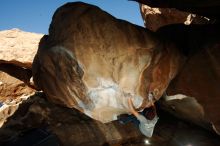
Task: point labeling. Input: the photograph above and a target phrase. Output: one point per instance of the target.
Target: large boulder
(207, 8)
(17, 51)
(200, 76)
(12, 88)
(12, 93)
(194, 94)
(154, 18)
(18, 47)
(94, 62)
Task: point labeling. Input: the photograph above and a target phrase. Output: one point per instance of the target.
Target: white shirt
(147, 126)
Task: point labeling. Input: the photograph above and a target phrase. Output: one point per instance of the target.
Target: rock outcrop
(154, 18)
(12, 92)
(12, 88)
(194, 94)
(207, 8)
(200, 75)
(17, 51)
(74, 128)
(18, 47)
(94, 62)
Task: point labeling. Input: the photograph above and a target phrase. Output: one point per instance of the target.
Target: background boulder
(18, 47)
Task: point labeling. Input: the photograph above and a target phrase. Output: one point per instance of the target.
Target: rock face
(200, 78)
(12, 88)
(17, 50)
(12, 93)
(208, 8)
(200, 75)
(18, 47)
(198, 81)
(94, 62)
(75, 129)
(154, 18)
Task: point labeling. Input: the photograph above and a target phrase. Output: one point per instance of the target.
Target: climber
(146, 125)
(145, 120)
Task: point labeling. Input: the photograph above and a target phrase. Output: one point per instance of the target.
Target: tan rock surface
(17, 50)
(18, 47)
(12, 88)
(95, 62)
(207, 8)
(12, 93)
(154, 18)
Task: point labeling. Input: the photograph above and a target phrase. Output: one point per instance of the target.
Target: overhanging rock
(94, 62)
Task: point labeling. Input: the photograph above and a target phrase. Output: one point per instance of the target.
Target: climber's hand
(131, 107)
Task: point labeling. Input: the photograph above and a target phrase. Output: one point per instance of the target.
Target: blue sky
(35, 15)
